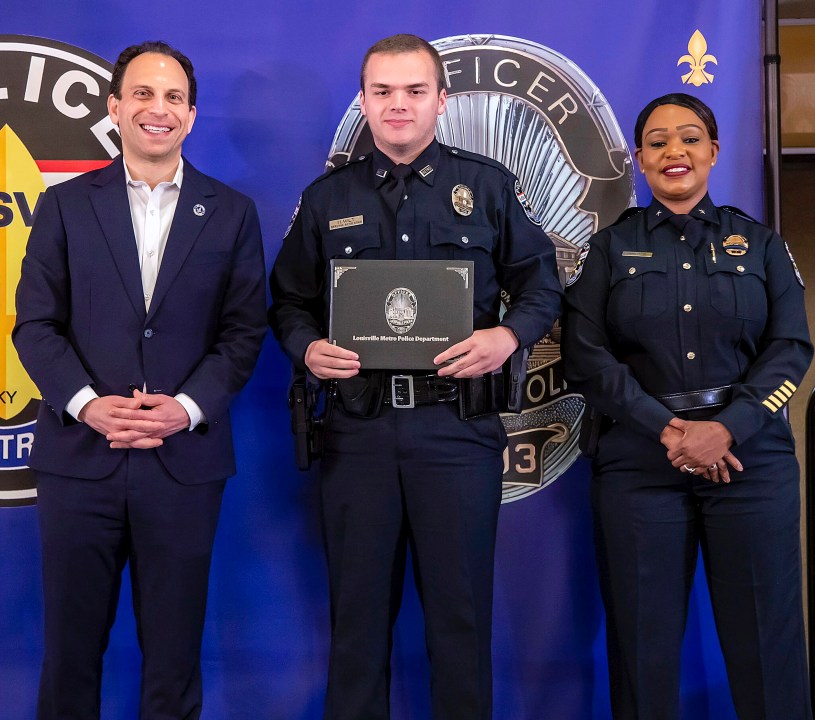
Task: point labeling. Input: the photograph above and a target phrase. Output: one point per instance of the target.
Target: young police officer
(422, 475)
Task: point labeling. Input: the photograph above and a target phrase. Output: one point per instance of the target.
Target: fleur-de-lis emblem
(698, 58)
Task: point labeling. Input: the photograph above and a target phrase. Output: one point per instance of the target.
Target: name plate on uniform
(400, 314)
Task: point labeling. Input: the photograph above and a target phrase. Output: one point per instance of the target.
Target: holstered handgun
(306, 425)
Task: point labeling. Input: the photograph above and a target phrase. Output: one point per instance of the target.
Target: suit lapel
(109, 200)
(197, 203)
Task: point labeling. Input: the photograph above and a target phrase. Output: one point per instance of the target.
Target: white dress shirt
(152, 214)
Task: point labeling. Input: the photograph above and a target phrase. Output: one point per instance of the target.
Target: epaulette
(740, 213)
(331, 168)
(627, 213)
(477, 157)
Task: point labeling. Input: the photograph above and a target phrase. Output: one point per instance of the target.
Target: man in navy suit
(140, 315)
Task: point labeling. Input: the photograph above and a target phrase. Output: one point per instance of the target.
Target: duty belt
(407, 391)
(697, 399)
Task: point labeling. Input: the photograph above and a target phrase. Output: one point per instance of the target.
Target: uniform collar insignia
(706, 211)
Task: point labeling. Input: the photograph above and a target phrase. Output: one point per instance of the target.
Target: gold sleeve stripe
(778, 395)
(771, 404)
(787, 384)
(785, 391)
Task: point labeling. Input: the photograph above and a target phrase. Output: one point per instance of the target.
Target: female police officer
(686, 332)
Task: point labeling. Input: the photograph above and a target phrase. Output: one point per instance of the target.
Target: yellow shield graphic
(22, 186)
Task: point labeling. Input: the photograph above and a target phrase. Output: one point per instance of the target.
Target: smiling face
(676, 156)
(153, 115)
(401, 101)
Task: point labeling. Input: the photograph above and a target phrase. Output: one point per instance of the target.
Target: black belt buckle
(402, 391)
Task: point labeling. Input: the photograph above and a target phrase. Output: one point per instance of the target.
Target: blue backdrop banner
(552, 90)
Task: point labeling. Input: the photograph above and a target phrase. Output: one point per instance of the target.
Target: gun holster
(501, 391)
(593, 424)
(306, 425)
(514, 372)
(362, 395)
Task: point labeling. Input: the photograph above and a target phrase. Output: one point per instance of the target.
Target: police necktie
(394, 189)
(690, 229)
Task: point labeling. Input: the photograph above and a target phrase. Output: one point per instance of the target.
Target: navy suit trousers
(90, 529)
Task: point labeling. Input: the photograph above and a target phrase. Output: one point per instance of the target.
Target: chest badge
(735, 245)
(463, 200)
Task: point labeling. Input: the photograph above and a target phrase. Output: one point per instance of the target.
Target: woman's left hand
(704, 447)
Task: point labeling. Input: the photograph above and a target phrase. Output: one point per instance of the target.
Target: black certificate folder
(400, 314)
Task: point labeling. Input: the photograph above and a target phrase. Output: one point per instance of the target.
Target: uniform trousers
(650, 521)
(425, 478)
(89, 530)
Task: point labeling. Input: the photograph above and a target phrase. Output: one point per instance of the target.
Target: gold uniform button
(691, 355)
(632, 270)
(682, 238)
(740, 268)
(687, 308)
(686, 266)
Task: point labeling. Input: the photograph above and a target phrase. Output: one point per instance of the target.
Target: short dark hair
(151, 46)
(703, 112)
(403, 43)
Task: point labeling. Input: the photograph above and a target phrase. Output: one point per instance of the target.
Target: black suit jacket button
(148, 333)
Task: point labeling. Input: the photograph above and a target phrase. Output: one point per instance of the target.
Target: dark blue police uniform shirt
(510, 252)
(650, 315)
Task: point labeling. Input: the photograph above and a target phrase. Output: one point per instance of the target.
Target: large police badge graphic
(401, 309)
(53, 125)
(535, 111)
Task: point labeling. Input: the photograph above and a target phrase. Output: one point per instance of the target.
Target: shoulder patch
(627, 213)
(578, 266)
(293, 217)
(740, 213)
(794, 266)
(521, 197)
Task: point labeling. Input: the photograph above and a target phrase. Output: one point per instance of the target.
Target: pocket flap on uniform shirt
(737, 265)
(349, 242)
(629, 267)
(465, 237)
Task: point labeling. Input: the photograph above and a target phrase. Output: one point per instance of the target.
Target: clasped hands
(700, 447)
(139, 422)
(481, 353)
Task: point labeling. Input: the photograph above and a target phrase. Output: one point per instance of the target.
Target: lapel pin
(199, 210)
